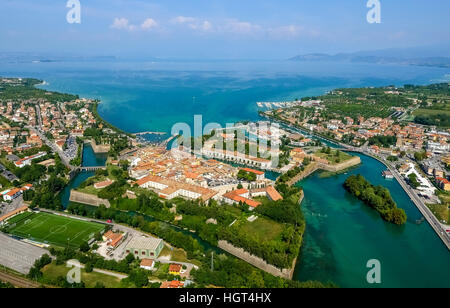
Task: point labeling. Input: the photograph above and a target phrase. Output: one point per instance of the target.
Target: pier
(149, 133)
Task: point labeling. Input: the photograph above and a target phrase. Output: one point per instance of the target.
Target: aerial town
(144, 218)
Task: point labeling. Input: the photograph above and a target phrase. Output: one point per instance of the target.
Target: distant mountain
(25, 57)
(378, 57)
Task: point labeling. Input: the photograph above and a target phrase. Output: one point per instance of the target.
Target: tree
(139, 278)
(89, 267)
(84, 247)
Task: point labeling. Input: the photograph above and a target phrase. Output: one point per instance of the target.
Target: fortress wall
(79, 197)
(256, 261)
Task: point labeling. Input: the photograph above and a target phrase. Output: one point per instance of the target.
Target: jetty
(149, 133)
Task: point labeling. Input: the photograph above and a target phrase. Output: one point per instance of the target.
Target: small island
(377, 197)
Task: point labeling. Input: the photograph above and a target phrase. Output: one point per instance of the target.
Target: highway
(426, 212)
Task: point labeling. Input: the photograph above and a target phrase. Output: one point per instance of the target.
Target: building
(437, 147)
(269, 192)
(5, 217)
(297, 155)
(175, 269)
(237, 157)
(12, 194)
(260, 175)
(175, 284)
(103, 184)
(26, 161)
(241, 196)
(169, 189)
(147, 264)
(145, 247)
(443, 184)
(114, 239)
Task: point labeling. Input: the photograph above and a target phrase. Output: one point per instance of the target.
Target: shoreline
(423, 208)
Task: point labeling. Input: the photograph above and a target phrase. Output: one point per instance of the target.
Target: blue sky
(267, 29)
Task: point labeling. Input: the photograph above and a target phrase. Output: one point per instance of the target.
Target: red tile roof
(175, 268)
(257, 172)
(273, 193)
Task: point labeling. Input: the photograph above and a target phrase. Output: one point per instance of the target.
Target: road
(55, 149)
(117, 275)
(426, 212)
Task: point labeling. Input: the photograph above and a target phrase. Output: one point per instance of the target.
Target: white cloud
(122, 24)
(290, 31)
(149, 23)
(242, 27)
(204, 26)
(193, 23)
(183, 19)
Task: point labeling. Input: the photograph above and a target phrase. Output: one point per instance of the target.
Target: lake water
(342, 234)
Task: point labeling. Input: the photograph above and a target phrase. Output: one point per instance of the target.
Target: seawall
(99, 148)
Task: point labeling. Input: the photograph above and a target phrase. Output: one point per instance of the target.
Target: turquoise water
(342, 234)
(142, 96)
(90, 159)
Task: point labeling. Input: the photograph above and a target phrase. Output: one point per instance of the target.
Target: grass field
(53, 229)
(53, 271)
(333, 158)
(264, 229)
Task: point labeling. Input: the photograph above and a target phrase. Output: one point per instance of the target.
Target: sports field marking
(57, 230)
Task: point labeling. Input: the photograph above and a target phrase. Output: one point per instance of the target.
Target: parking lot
(72, 148)
(18, 255)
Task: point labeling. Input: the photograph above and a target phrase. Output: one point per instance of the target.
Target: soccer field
(53, 229)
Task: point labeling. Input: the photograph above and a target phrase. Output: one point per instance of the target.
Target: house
(260, 175)
(273, 194)
(297, 155)
(269, 192)
(175, 269)
(240, 196)
(443, 184)
(147, 264)
(145, 247)
(113, 239)
(103, 184)
(175, 284)
(12, 194)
